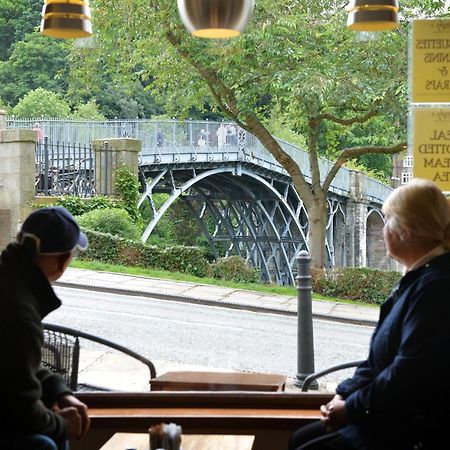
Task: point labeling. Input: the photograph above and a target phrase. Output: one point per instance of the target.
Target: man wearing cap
(38, 411)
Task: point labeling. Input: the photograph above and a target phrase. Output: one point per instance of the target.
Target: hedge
(364, 284)
(115, 250)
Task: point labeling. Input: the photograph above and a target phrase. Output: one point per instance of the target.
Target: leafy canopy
(42, 103)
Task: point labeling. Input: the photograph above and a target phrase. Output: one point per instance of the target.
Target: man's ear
(63, 261)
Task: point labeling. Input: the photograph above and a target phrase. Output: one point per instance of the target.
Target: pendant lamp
(372, 15)
(66, 19)
(215, 19)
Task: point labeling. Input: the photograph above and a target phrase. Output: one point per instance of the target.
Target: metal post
(46, 165)
(305, 343)
(105, 168)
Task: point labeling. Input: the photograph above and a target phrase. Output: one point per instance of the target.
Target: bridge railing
(166, 141)
(376, 191)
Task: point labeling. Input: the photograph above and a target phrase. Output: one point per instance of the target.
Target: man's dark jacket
(28, 391)
(400, 395)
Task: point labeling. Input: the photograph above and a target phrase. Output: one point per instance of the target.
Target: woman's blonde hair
(419, 211)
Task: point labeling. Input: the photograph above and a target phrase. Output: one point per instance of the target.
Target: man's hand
(333, 414)
(73, 421)
(67, 402)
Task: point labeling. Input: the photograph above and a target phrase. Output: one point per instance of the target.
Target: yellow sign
(431, 145)
(430, 81)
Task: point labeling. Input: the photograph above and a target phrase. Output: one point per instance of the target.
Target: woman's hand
(333, 414)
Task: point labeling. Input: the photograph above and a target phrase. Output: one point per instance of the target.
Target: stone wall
(17, 174)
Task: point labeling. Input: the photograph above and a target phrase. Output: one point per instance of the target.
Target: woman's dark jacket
(28, 391)
(400, 395)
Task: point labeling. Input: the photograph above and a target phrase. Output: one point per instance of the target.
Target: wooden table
(140, 441)
(218, 381)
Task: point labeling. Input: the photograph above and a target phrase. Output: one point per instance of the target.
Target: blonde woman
(399, 397)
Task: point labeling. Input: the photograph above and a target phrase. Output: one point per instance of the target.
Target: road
(205, 335)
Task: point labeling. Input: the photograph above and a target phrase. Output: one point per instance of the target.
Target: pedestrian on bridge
(398, 398)
(37, 410)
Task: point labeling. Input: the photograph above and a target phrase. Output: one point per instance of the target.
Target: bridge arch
(260, 223)
(375, 247)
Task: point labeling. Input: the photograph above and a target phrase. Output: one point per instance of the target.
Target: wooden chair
(316, 375)
(61, 353)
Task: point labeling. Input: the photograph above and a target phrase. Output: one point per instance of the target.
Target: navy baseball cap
(54, 231)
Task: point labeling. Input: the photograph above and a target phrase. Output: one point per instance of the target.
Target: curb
(212, 302)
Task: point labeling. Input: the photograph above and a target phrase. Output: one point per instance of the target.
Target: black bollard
(305, 342)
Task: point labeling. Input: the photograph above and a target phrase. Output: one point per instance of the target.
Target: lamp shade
(66, 19)
(372, 15)
(215, 19)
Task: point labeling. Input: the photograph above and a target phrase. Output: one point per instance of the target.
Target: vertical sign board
(430, 78)
(429, 87)
(431, 145)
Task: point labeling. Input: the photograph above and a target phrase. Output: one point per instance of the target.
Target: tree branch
(352, 120)
(351, 153)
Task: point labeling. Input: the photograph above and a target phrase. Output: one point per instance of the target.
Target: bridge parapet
(172, 141)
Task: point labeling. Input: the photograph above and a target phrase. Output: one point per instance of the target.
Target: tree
(42, 103)
(127, 99)
(88, 110)
(297, 59)
(37, 61)
(17, 18)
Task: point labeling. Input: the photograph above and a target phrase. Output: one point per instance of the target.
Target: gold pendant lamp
(372, 15)
(215, 19)
(66, 19)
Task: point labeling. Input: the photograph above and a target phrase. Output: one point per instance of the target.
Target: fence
(171, 137)
(63, 169)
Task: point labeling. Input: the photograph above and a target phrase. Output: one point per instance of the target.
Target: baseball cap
(54, 231)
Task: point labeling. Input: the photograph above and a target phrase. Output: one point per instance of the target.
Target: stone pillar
(3, 117)
(356, 238)
(110, 154)
(17, 174)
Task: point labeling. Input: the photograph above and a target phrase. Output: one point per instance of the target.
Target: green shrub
(114, 221)
(364, 284)
(127, 185)
(115, 250)
(102, 247)
(185, 259)
(234, 268)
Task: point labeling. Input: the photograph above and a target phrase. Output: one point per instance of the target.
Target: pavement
(118, 372)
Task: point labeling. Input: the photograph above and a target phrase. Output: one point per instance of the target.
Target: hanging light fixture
(66, 19)
(372, 15)
(215, 19)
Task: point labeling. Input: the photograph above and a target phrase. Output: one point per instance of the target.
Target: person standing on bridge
(38, 411)
(398, 397)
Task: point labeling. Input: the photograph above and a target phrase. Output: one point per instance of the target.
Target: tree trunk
(317, 222)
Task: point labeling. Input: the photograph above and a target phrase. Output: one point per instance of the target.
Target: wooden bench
(271, 417)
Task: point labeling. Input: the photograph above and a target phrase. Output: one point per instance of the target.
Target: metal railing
(172, 140)
(63, 169)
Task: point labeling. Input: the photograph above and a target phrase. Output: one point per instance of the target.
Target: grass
(290, 291)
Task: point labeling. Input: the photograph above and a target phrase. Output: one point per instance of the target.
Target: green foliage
(77, 205)
(114, 221)
(377, 175)
(4, 106)
(35, 62)
(17, 18)
(363, 284)
(115, 250)
(127, 186)
(284, 131)
(41, 103)
(88, 110)
(234, 268)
